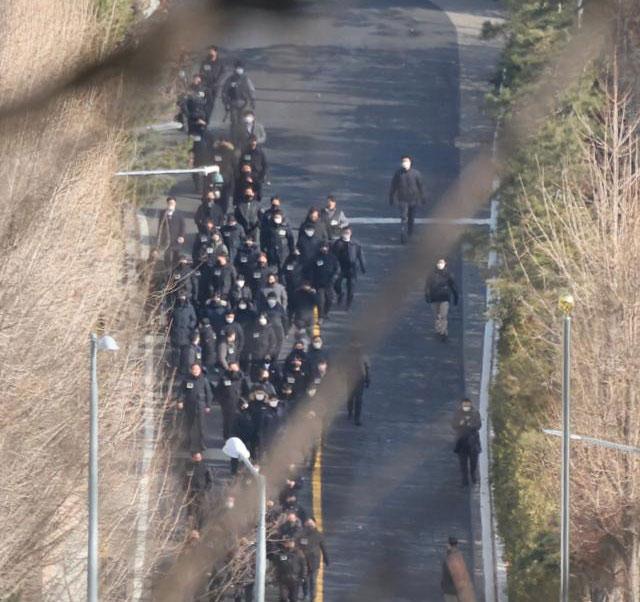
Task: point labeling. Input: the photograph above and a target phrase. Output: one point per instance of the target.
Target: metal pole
(92, 564)
(566, 440)
(261, 539)
(261, 548)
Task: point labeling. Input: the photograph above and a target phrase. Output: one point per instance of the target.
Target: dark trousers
(325, 301)
(354, 405)
(407, 218)
(246, 596)
(468, 466)
(350, 286)
(309, 584)
(288, 590)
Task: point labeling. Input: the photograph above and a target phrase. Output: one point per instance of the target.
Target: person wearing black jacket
(351, 258)
(196, 106)
(439, 290)
(233, 234)
(291, 570)
(247, 212)
(293, 270)
(466, 425)
(279, 320)
(198, 481)
(276, 239)
(254, 155)
(200, 155)
(261, 344)
(171, 233)
(209, 209)
(407, 192)
(238, 95)
(359, 378)
(230, 389)
(212, 73)
(323, 273)
(244, 428)
(183, 324)
(302, 303)
(209, 343)
(311, 542)
(195, 399)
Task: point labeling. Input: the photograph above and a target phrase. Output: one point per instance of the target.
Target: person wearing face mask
(231, 387)
(212, 73)
(244, 428)
(293, 274)
(247, 257)
(264, 384)
(314, 221)
(323, 273)
(182, 325)
(240, 292)
(195, 398)
(221, 278)
(279, 320)
(247, 213)
(407, 192)
(190, 354)
(183, 278)
(272, 286)
(238, 95)
(359, 378)
(230, 325)
(350, 256)
(244, 180)
(171, 234)
(227, 349)
(253, 155)
(333, 218)
(294, 377)
(439, 290)
(258, 277)
(232, 234)
(249, 128)
(276, 239)
(224, 156)
(209, 343)
(195, 106)
(275, 204)
(215, 308)
(308, 244)
(466, 425)
(261, 343)
(198, 481)
(209, 209)
(316, 353)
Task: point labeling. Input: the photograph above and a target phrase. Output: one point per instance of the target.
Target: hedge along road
(344, 88)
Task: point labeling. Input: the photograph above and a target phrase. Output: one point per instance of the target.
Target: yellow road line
(316, 491)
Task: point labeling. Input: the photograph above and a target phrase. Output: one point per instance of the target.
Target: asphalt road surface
(344, 87)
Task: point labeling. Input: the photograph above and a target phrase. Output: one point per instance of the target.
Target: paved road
(345, 87)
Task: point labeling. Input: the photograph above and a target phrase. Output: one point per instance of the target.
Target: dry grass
(63, 231)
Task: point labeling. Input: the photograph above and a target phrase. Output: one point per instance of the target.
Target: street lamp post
(235, 448)
(97, 344)
(566, 306)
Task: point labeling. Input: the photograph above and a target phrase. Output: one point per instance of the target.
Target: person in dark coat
(233, 234)
(279, 320)
(248, 128)
(238, 95)
(227, 350)
(198, 482)
(232, 325)
(254, 156)
(196, 106)
(407, 192)
(439, 290)
(269, 419)
(183, 325)
(311, 542)
(195, 399)
(231, 387)
(291, 570)
(212, 72)
(466, 425)
(350, 256)
(183, 278)
(209, 343)
(323, 273)
(247, 213)
(314, 221)
(247, 257)
(240, 292)
(276, 239)
(200, 155)
(190, 354)
(209, 209)
(258, 276)
(262, 344)
(244, 428)
(224, 157)
(302, 303)
(359, 378)
(171, 234)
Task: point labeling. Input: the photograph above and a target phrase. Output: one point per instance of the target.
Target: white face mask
(440, 265)
(406, 165)
(277, 220)
(228, 319)
(242, 305)
(273, 403)
(317, 345)
(309, 232)
(271, 302)
(466, 408)
(240, 283)
(260, 396)
(248, 120)
(346, 237)
(239, 70)
(262, 321)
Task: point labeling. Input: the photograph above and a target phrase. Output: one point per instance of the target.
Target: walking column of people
(233, 297)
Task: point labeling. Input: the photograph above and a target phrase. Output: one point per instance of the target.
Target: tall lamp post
(104, 343)
(566, 304)
(236, 449)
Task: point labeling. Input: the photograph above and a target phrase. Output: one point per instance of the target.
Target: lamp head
(566, 303)
(235, 448)
(107, 343)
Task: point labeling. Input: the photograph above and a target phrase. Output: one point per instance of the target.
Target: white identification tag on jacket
(256, 335)
(291, 380)
(257, 274)
(282, 232)
(217, 158)
(243, 260)
(198, 356)
(319, 262)
(209, 250)
(290, 268)
(304, 541)
(334, 222)
(227, 383)
(189, 385)
(247, 157)
(207, 67)
(217, 272)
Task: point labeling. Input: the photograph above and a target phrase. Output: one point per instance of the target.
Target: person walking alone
(439, 290)
(466, 424)
(407, 192)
